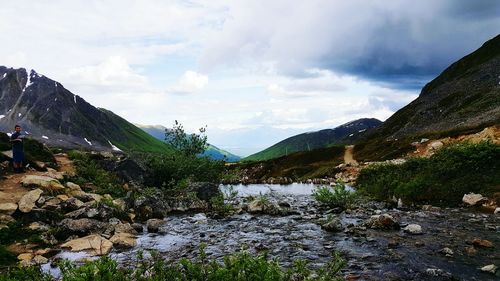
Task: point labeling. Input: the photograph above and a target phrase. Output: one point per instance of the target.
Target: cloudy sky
(253, 71)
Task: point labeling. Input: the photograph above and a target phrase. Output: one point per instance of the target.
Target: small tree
(187, 144)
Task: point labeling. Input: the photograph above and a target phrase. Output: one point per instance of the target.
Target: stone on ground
(42, 182)
(27, 202)
(94, 245)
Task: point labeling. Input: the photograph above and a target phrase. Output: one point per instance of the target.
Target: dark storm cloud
(400, 43)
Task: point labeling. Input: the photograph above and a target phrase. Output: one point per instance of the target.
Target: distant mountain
(344, 134)
(52, 114)
(465, 97)
(158, 131)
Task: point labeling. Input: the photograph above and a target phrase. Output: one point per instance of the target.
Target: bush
(336, 196)
(239, 266)
(442, 178)
(170, 170)
(89, 170)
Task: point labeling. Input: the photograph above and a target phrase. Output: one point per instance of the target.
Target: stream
(371, 254)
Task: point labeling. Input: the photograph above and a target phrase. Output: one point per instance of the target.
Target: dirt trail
(348, 155)
(11, 189)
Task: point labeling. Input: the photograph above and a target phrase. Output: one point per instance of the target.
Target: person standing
(17, 149)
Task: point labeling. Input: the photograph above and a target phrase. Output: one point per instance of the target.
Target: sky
(254, 72)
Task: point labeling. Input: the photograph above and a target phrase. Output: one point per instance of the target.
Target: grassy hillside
(129, 137)
(299, 165)
(345, 134)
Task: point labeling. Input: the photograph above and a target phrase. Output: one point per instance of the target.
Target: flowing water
(371, 254)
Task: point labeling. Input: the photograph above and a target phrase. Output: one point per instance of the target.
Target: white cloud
(189, 83)
(113, 72)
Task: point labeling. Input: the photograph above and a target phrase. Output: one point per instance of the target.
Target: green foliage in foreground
(236, 267)
(88, 170)
(441, 179)
(336, 196)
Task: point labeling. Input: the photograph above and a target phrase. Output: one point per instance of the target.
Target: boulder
(382, 221)
(27, 202)
(52, 204)
(94, 245)
(123, 240)
(101, 212)
(73, 186)
(153, 225)
(42, 182)
(82, 226)
(7, 208)
(491, 268)
(447, 252)
(473, 199)
(138, 227)
(51, 173)
(151, 205)
(39, 259)
(125, 228)
(72, 204)
(436, 145)
(334, 225)
(482, 243)
(413, 229)
(120, 204)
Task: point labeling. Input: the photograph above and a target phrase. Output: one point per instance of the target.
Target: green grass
(441, 179)
(128, 137)
(241, 266)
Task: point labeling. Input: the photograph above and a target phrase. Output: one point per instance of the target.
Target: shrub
(336, 196)
(169, 170)
(89, 170)
(442, 178)
(238, 266)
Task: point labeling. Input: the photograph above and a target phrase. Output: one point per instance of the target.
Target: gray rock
(383, 221)
(153, 225)
(413, 229)
(334, 225)
(82, 226)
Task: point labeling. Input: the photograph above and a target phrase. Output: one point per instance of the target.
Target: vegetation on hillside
(297, 166)
(88, 170)
(442, 178)
(347, 133)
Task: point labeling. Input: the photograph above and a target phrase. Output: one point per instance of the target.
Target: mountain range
(347, 133)
(50, 113)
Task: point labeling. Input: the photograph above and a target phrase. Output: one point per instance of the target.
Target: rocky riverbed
(379, 243)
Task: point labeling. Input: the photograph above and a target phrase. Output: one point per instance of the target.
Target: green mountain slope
(158, 132)
(344, 134)
(464, 98)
